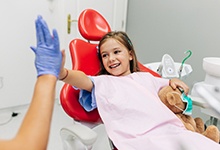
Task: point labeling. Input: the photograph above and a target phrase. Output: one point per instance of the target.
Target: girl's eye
(104, 55)
(117, 51)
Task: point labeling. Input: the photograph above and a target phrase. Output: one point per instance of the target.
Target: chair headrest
(92, 25)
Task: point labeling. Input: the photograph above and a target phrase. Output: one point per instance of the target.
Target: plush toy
(172, 99)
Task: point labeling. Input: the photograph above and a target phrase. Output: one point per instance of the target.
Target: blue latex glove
(48, 55)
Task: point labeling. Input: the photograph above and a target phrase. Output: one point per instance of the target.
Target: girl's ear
(131, 56)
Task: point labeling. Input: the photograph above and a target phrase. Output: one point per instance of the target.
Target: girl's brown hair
(122, 38)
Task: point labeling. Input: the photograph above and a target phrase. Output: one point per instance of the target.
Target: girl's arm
(75, 77)
(175, 83)
(34, 131)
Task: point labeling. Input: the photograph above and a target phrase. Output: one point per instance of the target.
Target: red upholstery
(84, 57)
(92, 25)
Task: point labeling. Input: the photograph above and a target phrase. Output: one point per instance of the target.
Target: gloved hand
(48, 57)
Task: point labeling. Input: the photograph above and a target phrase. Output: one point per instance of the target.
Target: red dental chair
(92, 26)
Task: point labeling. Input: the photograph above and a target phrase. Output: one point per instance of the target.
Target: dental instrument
(183, 62)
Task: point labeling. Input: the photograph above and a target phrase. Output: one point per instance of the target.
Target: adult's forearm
(34, 131)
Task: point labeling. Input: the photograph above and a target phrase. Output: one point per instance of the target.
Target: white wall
(174, 26)
(17, 28)
(157, 27)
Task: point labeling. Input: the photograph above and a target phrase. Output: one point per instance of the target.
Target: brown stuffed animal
(171, 98)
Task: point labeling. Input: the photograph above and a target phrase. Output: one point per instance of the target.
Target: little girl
(128, 102)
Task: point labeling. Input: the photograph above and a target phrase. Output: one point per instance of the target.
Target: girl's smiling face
(115, 57)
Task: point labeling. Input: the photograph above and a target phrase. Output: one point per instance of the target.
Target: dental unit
(167, 68)
(208, 90)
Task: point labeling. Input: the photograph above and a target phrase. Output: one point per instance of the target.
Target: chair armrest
(77, 135)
